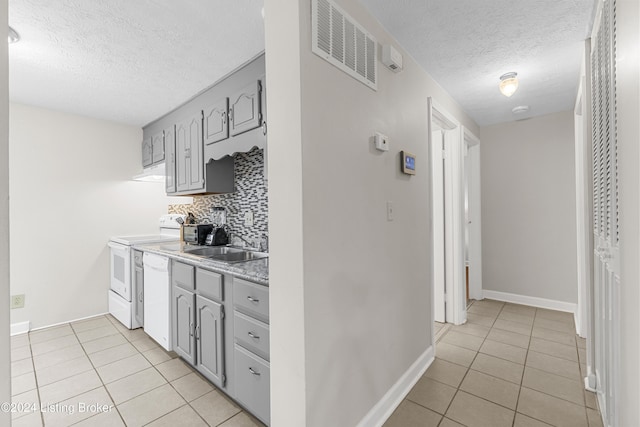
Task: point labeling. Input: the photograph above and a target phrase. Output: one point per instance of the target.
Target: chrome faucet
(251, 245)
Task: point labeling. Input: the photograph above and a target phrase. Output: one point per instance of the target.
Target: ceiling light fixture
(520, 109)
(509, 83)
(13, 37)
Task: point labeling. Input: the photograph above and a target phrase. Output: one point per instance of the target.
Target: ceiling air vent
(340, 40)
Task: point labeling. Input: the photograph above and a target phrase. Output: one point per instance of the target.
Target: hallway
(509, 365)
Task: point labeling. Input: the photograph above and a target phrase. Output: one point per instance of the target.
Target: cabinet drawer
(252, 383)
(209, 284)
(251, 298)
(251, 334)
(182, 275)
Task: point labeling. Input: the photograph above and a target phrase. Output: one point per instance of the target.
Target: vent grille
(341, 41)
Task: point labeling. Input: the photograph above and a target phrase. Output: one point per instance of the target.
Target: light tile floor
(97, 373)
(509, 365)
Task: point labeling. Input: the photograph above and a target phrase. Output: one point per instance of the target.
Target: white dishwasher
(157, 293)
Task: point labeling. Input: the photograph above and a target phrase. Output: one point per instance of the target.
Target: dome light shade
(509, 83)
(13, 37)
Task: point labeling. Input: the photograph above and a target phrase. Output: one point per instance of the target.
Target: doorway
(446, 151)
(472, 231)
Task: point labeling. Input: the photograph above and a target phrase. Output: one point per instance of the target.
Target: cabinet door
(244, 109)
(170, 162)
(138, 304)
(184, 341)
(209, 334)
(147, 158)
(157, 147)
(215, 123)
(189, 165)
(252, 377)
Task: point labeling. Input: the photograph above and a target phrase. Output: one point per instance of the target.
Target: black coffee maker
(219, 235)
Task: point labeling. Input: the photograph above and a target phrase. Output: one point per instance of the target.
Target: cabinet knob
(253, 371)
(254, 336)
(252, 299)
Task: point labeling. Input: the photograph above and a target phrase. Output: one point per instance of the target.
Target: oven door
(121, 270)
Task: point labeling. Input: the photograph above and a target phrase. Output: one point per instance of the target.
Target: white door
(605, 215)
(437, 188)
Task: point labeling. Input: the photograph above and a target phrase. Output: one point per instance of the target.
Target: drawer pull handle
(254, 372)
(252, 299)
(252, 335)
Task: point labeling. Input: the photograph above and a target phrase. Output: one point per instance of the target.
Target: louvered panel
(350, 45)
(337, 35)
(371, 60)
(323, 26)
(341, 41)
(594, 137)
(360, 50)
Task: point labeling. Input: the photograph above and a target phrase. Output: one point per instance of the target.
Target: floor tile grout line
(101, 382)
(35, 377)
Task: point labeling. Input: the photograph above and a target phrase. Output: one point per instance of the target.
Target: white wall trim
(550, 304)
(69, 321)
(20, 328)
(382, 410)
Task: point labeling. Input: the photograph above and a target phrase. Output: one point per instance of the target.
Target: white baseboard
(550, 304)
(20, 328)
(377, 416)
(69, 321)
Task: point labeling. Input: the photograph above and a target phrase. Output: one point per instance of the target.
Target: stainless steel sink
(210, 251)
(239, 256)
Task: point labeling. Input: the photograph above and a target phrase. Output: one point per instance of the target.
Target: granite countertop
(256, 271)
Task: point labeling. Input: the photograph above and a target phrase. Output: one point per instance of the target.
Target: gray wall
(5, 376)
(628, 97)
(528, 208)
(350, 292)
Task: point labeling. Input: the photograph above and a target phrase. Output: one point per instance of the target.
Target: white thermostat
(381, 141)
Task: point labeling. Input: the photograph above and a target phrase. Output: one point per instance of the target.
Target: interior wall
(5, 343)
(367, 280)
(71, 189)
(628, 127)
(528, 208)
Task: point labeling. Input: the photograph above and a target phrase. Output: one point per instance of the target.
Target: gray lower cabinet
(210, 340)
(138, 286)
(252, 374)
(198, 320)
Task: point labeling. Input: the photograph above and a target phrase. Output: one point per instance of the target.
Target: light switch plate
(390, 214)
(381, 141)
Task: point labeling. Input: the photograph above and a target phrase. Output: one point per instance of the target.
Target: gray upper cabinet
(244, 108)
(157, 147)
(209, 336)
(170, 163)
(215, 123)
(189, 164)
(147, 156)
(202, 136)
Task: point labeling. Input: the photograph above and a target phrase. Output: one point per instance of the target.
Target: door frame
(453, 256)
(471, 144)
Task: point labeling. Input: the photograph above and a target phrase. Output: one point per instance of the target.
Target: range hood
(155, 173)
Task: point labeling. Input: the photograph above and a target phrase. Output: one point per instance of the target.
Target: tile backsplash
(250, 195)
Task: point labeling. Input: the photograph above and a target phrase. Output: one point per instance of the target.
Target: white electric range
(126, 293)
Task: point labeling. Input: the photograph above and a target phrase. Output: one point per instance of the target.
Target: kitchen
(322, 319)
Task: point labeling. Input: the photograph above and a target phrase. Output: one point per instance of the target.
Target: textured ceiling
(466, 45)
(123, 60)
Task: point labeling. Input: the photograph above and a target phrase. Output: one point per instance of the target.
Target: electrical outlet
(17, 301)
(248, 219)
